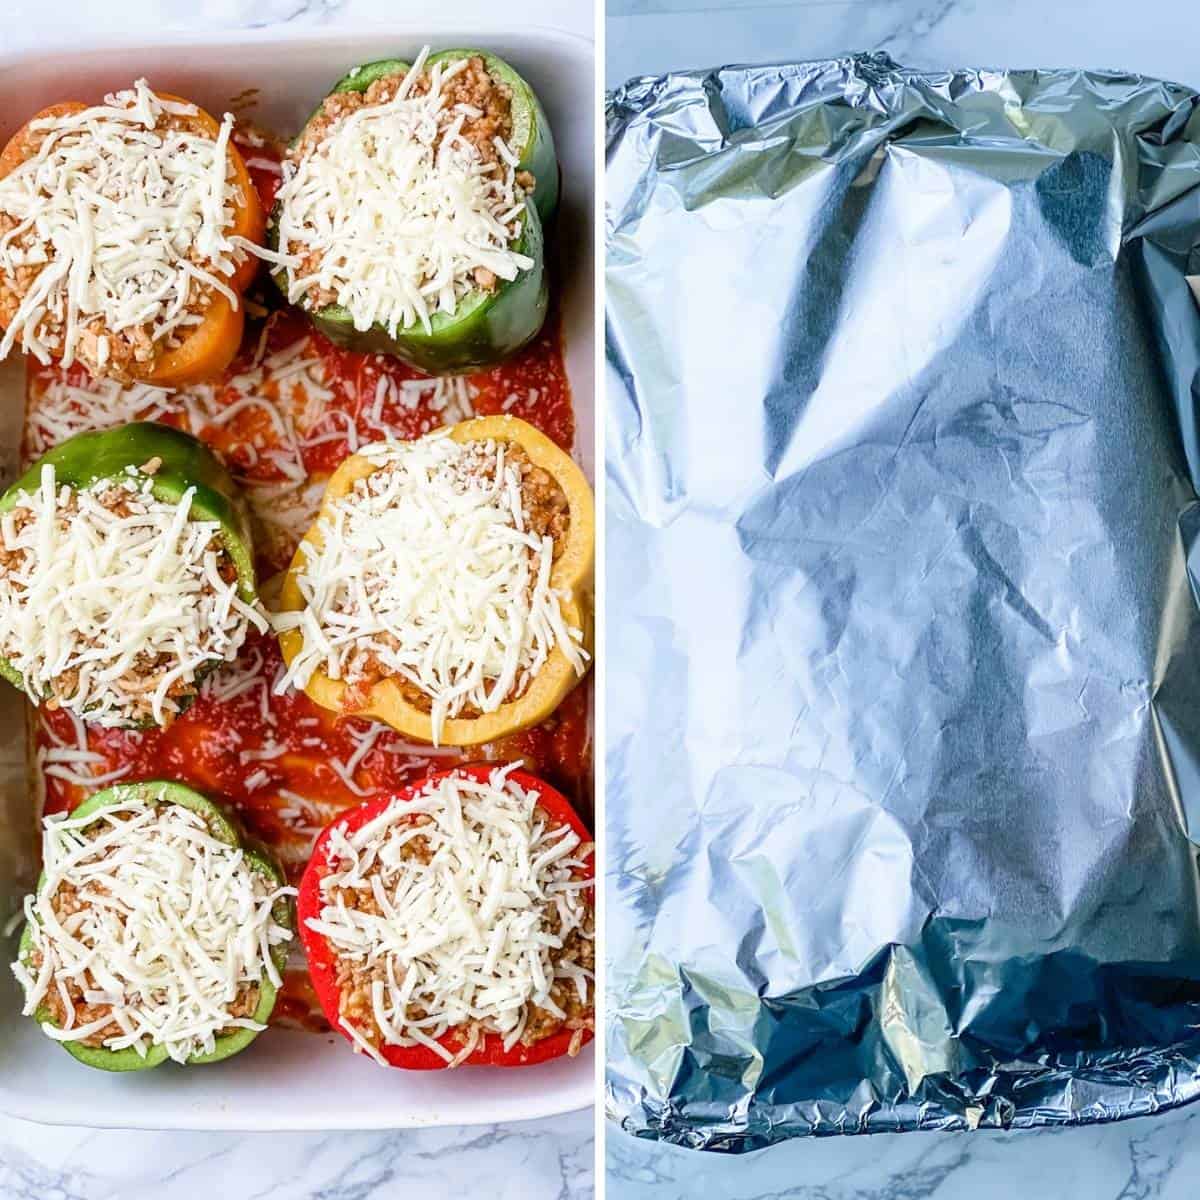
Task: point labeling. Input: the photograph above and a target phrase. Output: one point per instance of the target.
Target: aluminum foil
(903, 554)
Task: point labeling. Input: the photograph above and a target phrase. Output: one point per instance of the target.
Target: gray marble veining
(538, 1160)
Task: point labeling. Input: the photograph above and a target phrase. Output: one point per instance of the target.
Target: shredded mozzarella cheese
(58, 409)
(426, 569)
(393, 212)
(145, 914)
(291, 387)
(467, 935)
(450, 396)
(123, 220)
(105, 612)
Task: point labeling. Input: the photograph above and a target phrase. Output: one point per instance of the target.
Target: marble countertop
(1156, 1158)
(648, 37)
(537, 1160)
(534, 1160)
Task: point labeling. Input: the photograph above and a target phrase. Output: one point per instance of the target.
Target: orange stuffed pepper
(128, 232)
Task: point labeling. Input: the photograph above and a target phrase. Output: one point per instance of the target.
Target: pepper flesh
(222, 828)
(184, 461)
(215, 340)
(486, 327)
(571, 577)
(322, 961)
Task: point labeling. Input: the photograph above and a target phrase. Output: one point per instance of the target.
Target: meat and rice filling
(545, 515)
(74, 1001)
(113, 604)
(483, 100)
(426, 945)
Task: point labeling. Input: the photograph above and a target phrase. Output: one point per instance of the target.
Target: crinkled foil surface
(903, 697)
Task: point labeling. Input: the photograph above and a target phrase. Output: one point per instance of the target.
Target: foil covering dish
(903, 550)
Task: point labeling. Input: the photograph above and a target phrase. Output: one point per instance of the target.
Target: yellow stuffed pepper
(446, 585)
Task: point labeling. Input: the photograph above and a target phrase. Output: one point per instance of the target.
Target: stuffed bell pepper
(452, 924)
(410, 217)
(128, 233)
(126, 574)
(446, 586)
(155, 932)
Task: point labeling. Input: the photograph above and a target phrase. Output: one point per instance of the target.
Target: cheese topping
(116, 226)
(147, 931)
(392, 214)
(466, 899)
(61, 406)
(112, 601)
(427, 571)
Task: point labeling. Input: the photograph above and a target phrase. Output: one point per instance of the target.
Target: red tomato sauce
(282, 765)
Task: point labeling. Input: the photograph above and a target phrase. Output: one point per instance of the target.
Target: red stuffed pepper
(452, 923)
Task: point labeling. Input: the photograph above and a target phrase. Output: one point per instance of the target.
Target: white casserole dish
(285, 1080)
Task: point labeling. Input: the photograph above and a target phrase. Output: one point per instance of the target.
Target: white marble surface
(538, 1160)
(1150, 1159)
(1158, 37)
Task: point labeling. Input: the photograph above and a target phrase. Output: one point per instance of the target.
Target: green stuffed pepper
(116, 595)
(156, 932)
(414, 256)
